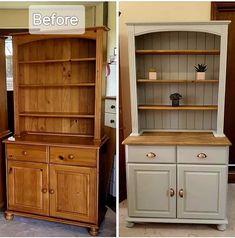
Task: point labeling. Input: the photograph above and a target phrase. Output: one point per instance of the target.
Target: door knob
(71, 156)
(181, 193)
(172, 192)
(44, 190)
(51, 191)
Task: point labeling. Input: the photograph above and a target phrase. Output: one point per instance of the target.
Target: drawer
(203, 154)
(73, 156)
(110, 106)
(110, 120)
(151, 154)
(32, 153)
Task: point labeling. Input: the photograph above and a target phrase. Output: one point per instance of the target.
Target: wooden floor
(169, 230)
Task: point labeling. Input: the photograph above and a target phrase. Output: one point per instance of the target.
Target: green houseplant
(200, 69)
(175, 98)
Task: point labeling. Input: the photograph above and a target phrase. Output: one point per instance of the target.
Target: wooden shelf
(55, 114)
(56, 61)
(56, 85)
(185, 107)
(175, 81)
(178, 52)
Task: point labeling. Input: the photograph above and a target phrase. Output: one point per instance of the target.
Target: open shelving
(174, 54)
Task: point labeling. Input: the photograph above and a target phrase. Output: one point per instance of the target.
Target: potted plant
(200, 69)
(175, 98)
(152, 74)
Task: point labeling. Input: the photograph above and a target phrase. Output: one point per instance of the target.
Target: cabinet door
(151, 190)
(73, 193)
(27, 185)
(202, 191)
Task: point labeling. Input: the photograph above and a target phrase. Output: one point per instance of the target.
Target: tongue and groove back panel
(173, 67)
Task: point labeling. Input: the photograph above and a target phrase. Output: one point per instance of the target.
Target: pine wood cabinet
(27, 187)
(58, 168)
(73, 192)
(177, 156)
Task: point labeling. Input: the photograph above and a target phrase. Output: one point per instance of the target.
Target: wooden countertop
(177, 138)
(57, 140)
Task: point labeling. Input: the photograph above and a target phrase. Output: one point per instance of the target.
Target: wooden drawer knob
(51, 191)
(44, 190)
(61, 157)
(151, 155)
(24, 152)
(71, 156)
(202, 156)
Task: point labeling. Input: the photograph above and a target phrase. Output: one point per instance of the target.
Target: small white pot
(152, 75)
(200, 75)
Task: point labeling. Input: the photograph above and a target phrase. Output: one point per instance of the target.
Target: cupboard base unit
(221, 224)
(58, 178)
(178, 182)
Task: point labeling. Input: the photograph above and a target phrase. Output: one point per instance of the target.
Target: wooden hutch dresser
(57, 168)
(177, 157)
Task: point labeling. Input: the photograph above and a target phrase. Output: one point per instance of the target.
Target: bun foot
(221, 227)
(130, 224)
(9, 216)
(93, 231)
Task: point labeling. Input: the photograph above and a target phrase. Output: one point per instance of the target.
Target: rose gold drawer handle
(71, 156)
(172, 192)
(181, 193)
(151, 155)
(202, 156)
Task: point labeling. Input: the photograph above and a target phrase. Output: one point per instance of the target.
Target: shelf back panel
(57, 73)
(58, 125)
(177, 120)
(64, 100)
(52, 49)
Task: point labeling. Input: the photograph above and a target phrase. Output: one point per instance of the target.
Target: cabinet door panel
(27, 187)
(204, 191)
(149, 190)
(73, 193)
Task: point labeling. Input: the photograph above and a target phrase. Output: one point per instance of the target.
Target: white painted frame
(213, 27)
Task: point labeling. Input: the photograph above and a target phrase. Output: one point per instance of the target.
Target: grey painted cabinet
(202, 191)
(152, 190)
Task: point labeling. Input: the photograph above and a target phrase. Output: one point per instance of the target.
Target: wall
(151, 12)
(13, 15)
(112, 26)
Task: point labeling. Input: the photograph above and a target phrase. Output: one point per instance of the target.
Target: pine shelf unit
(59, 145)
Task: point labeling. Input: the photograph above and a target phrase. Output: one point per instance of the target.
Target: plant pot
(152, 75)
(175, 103)
(200, 76)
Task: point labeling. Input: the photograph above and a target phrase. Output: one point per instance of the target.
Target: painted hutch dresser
(177, 156)
(57, 168)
